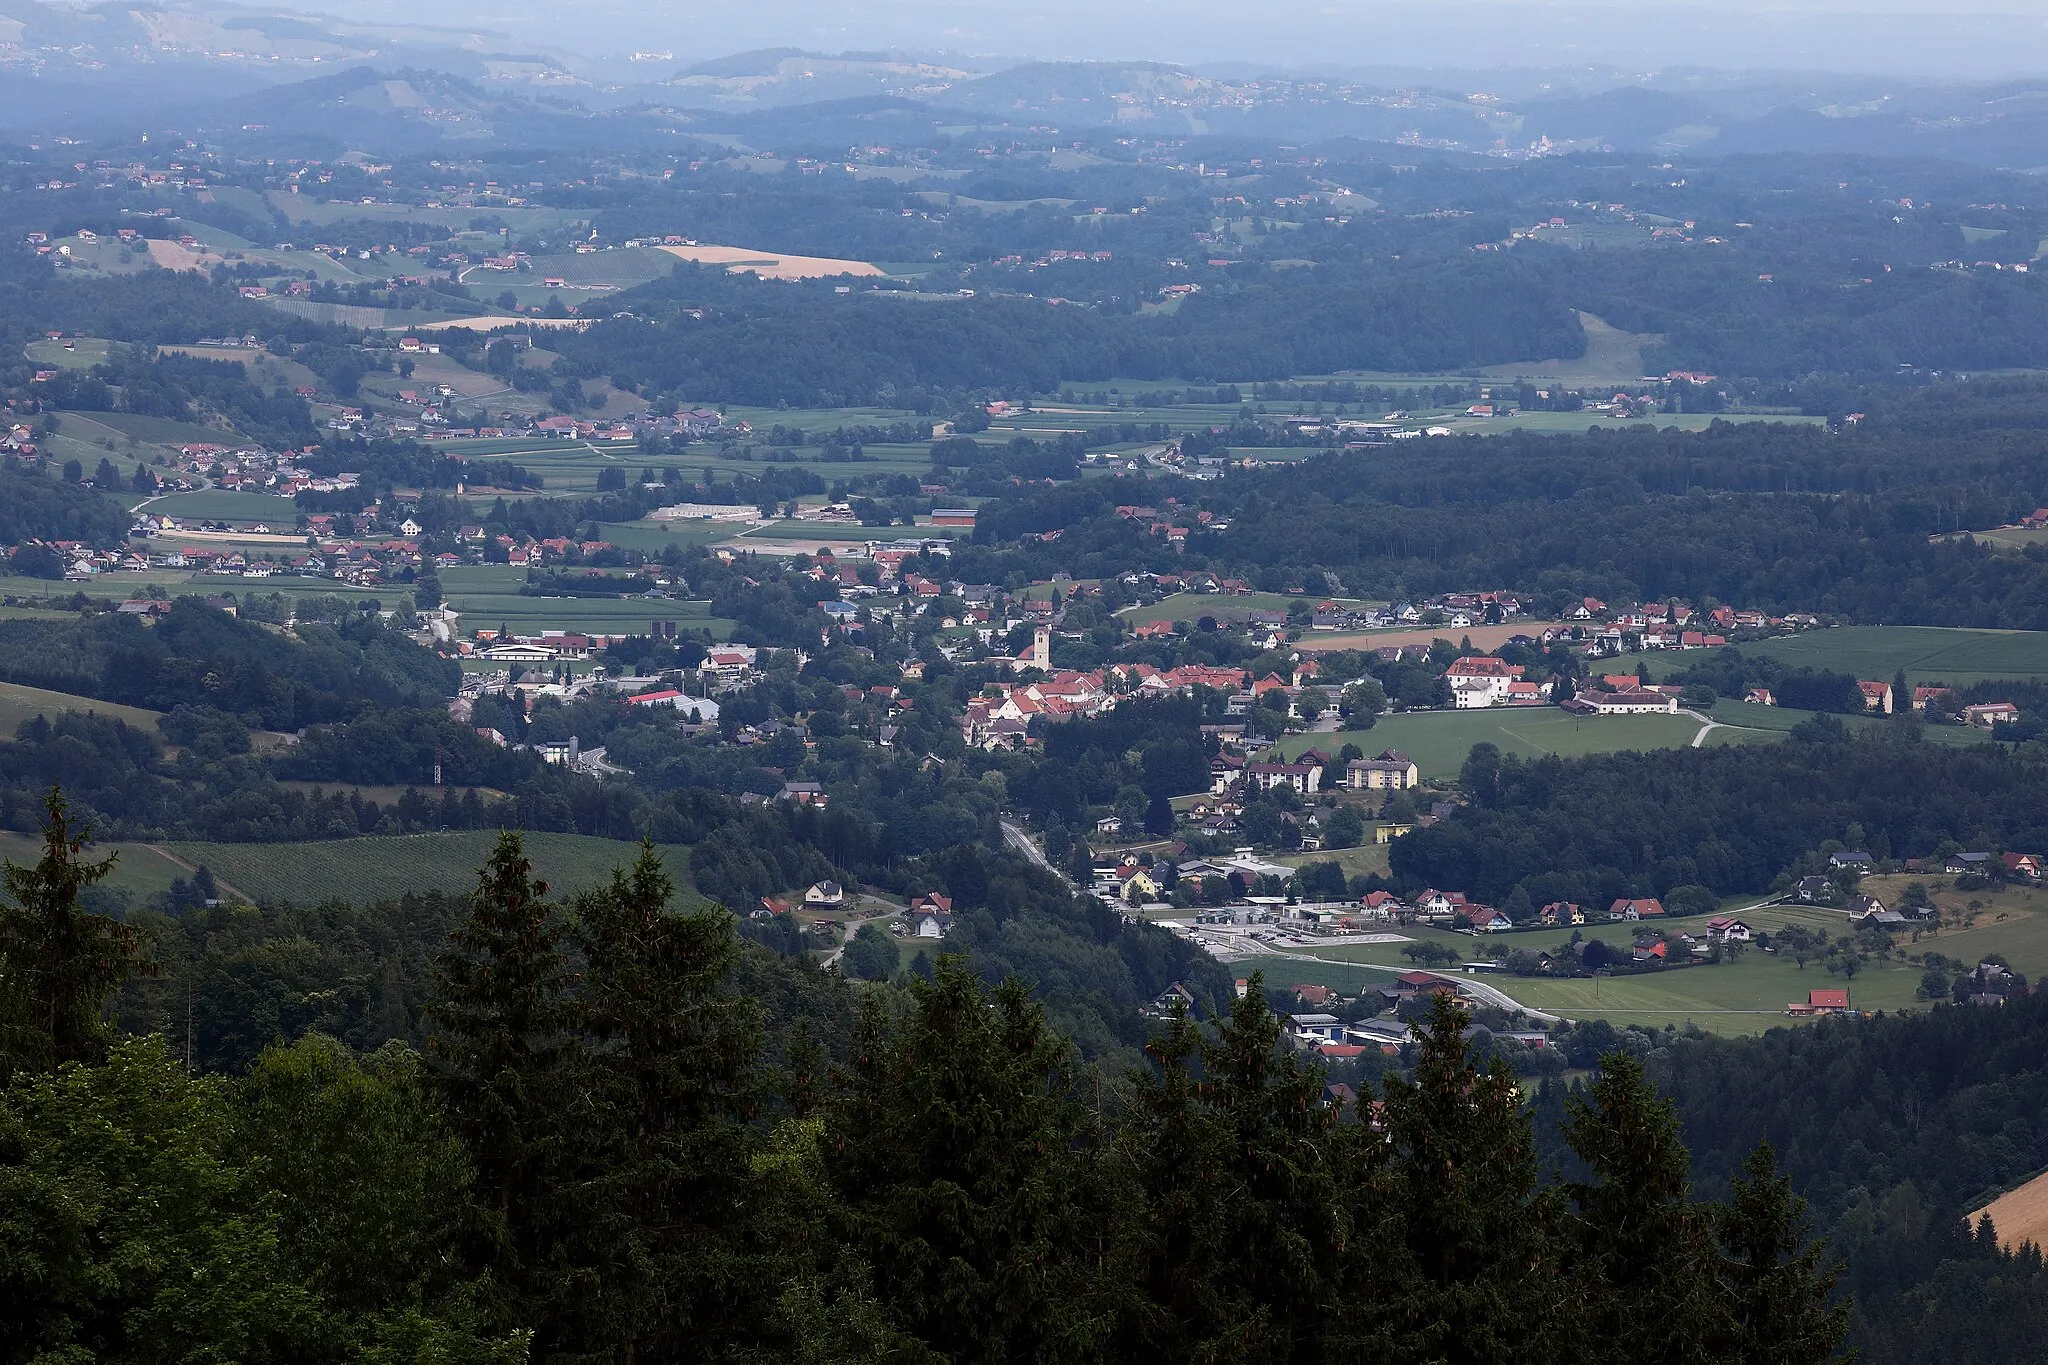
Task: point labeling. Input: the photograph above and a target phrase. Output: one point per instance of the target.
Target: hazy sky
(1973, 38)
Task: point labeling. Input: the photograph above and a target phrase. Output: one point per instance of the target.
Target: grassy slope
(1737, 997)
(372, 868)
(1438, 741)
(488, 595)
(1927, 653)
(139, 870)
(19, 703)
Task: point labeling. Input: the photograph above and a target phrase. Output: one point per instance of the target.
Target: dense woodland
(616, 1145)
(1778, 518)
(1731, 819)
(1890, 1127)
(1093, 1211)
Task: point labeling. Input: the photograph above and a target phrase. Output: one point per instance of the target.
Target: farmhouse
(1822, 1000)
(1646, 907)
(1484, 919)
(1728, 930)
(1440, 904)
(1991, 713)
(1923, 697)
(1409, 985)
(1634, 702)
(1877, 697)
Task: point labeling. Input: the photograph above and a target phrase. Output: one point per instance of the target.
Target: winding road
(1481, 990)
(1490, 994)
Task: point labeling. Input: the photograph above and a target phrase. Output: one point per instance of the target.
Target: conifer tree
(669, 1087)
(500, 1052)
(957, 1150)
(1281, 1208)
(59, 966)
(1172, 1152)
(1638, 1228)
(1773, 1279)
(1468, 1253)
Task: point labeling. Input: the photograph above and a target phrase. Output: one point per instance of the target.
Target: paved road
(852, 927)
(1486, 992)
(1707, 726)
(1028, 846)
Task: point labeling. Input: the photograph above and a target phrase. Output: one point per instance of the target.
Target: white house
(1634, 702)
(1478, 675)
(1320, 1028)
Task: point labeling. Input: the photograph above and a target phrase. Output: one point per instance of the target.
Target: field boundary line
(176, 861)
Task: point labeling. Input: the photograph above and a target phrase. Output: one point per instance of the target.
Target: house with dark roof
(1391, 770)
(1814, 891)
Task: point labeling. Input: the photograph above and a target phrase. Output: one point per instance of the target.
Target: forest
(750, 341)
(1780, 518)
(630, 1137)
(346, 1169)
(34, 506)
(1730, 818)
(1890, 1126)
(196, 655)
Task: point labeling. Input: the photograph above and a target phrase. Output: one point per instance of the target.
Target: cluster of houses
(250, 469)
(927, 917)
(431, 413)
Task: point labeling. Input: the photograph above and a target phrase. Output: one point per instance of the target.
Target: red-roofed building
(1923, 697)
(1647, 907)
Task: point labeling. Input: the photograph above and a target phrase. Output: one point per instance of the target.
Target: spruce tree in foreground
(664, 1094)
(501, 1051)
(1637, 1228)
(59, 966)
(1776, 1283)
(962, 1160)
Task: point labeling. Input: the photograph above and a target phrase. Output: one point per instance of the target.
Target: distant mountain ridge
(106, 66)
